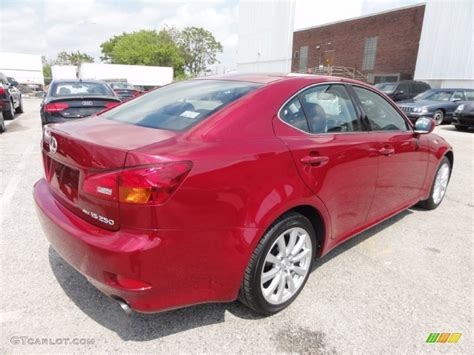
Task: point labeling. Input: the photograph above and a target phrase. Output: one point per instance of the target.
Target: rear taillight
(145, 185)
(56, 107)
(109, 105)
(2, 91)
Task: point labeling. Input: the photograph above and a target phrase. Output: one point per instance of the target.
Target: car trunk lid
(74, 152)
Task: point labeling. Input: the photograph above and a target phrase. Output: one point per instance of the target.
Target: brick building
(375, 48)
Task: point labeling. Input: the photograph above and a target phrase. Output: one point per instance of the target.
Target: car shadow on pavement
(144, 327)
(138, 326)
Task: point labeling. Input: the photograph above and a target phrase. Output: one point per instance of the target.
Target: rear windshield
(80, 88)
(179, 106)
(386, 88)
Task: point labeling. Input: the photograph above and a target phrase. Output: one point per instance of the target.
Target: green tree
(46, 68)
(200, 48)
(145, 48)
(73, 58)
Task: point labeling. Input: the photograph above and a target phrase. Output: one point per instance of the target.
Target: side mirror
(455, 99)
(424, 125)
(399, 92)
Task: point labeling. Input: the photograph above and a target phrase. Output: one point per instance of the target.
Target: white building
(265, 36)
(445, 55)
(25, 68)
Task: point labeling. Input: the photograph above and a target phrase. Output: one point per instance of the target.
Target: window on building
(370, 50)
(303, 58)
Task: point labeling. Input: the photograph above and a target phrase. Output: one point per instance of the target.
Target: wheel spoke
(292, 241)
(273, 285)
(301, 255)
(282, 246)
(299, 245)
(272, 259)
(281, 287)
(269, 275)
(299, 270)
(291, 283)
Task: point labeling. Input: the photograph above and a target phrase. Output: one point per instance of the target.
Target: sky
(47, 27)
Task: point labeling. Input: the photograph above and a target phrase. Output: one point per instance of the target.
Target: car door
(402, 155)
(456, 98)
(333, 154)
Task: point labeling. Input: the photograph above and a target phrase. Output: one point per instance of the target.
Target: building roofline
(421, 3)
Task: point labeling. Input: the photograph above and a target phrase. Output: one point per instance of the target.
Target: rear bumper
(182, 267)
(464, 121)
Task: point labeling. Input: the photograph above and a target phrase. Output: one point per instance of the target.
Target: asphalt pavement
(383, 291)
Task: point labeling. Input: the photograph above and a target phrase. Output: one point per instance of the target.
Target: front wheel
(19, 109)
(460, 128)
(438, 117)
(439, 186)
(280, 265)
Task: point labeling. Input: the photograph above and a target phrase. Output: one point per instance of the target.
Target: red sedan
(225, 188)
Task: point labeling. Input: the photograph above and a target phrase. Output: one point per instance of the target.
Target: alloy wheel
(441, 183)
(286, 265)
(438, 117)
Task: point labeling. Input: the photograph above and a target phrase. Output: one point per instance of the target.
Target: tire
(19, 109)
(2, 125)
(435, 200)
(290, 276)
(460, 128)
(438, 117)
(10, 113)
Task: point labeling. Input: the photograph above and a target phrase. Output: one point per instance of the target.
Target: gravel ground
(383, 291)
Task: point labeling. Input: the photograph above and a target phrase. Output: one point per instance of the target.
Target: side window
(469, 95)
(329, 108)
(381, 115)
(404, 87)
(292, 113)
(458, 95)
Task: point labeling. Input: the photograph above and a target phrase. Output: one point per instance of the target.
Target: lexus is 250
(225, 188)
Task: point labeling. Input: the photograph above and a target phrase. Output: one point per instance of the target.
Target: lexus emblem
(53, 145)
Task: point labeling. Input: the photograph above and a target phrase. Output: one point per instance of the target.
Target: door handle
(386, 150)
(317, 160)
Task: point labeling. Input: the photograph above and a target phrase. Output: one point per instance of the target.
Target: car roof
(77, 81)
(269, 78)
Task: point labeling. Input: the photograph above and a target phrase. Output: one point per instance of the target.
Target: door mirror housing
(424, 125)
(455, 99)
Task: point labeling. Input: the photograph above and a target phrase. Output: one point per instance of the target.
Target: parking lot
(384, 291)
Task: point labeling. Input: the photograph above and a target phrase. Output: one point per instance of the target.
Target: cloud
(50, 26)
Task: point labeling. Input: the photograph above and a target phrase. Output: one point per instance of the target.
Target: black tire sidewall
(291, 221)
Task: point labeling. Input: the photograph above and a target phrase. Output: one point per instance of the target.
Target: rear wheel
(280, 265)
(439, 186)
(438, 117)
(2, 125)
(19, 109)
(10, 113)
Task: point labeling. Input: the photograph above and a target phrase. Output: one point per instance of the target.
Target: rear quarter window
(181, 105)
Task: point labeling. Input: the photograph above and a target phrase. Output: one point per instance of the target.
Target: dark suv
(10, 100)
(403, 90)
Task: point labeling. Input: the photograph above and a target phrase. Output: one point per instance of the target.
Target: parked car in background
(403, 90)
(72, 99)
(436, 103)
(124, 90)
(219, 188)
(463, 117)
(10, 100)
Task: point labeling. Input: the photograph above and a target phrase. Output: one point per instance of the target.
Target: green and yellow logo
(443, 337)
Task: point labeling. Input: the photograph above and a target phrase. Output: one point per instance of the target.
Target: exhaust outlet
(124, 305)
